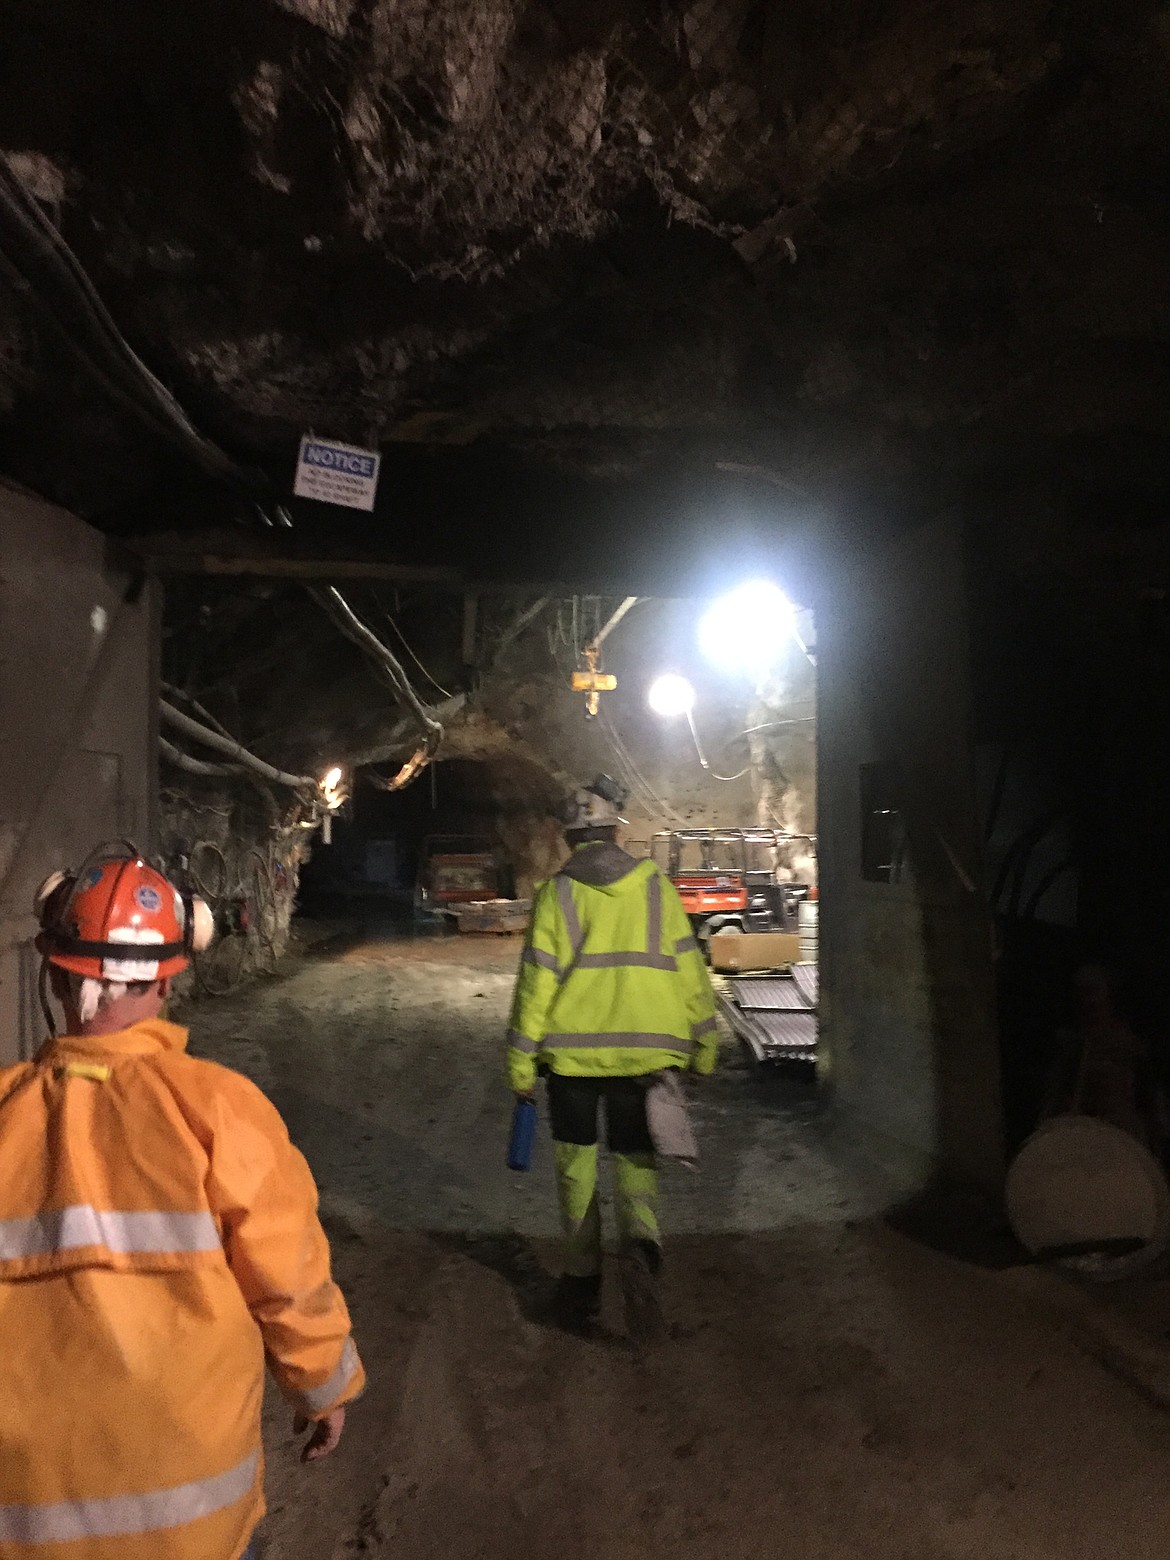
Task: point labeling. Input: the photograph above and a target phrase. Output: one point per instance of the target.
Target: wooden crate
(500, 916)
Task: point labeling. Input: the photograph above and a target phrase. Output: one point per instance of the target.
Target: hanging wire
(703, 757)
(447, 694)
(632, 774)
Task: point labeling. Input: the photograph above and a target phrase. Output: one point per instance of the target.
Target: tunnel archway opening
(496, 809)
(721, 793)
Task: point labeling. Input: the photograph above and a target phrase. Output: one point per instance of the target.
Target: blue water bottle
(523, 1135)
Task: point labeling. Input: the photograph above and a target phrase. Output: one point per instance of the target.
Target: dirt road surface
(830, 1388)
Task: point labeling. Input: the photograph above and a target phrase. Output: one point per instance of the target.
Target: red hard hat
(119, 920)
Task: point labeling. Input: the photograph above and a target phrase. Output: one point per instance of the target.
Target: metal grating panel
(808, 981)
(774, 994)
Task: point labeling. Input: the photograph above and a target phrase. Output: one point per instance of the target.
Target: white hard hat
(595, 806)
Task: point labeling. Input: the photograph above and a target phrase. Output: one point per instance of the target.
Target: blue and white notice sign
(337, 473)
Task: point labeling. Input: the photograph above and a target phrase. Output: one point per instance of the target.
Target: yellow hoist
(592, 682)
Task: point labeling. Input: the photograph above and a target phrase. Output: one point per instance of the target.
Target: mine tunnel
(652, 515)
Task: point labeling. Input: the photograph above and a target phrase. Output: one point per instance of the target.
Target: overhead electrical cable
(446, 692)
(334, 604)
(232, 749)
(42, 266)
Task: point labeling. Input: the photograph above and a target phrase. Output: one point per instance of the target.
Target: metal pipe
(354, 629)
(630, 601)
(522, 622)
(195, 766)
(233, 749)
(33, 251)
(204, 715)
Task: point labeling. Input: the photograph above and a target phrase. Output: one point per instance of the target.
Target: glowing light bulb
(671, 695)
(748, 629)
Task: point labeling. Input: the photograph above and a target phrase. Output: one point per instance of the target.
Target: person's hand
(325, 1436)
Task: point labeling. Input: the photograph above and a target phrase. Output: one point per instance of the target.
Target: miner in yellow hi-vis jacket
(612, 990)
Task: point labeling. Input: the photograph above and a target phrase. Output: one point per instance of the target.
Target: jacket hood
(603, 865)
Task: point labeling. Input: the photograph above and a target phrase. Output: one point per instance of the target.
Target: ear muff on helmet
(198, 924)
(49, 899)
(610, 790)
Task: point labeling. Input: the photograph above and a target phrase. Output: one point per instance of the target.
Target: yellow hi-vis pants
(574, 1103)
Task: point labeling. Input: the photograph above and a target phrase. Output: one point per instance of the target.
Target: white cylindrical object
(807, 921)
(202, 925)
(1079, 1184)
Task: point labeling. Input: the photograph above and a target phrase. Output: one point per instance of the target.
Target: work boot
(640, 1264)
(576, 1304)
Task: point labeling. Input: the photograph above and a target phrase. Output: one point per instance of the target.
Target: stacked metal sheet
(808, 982)
(768, 993)
(775, 1015)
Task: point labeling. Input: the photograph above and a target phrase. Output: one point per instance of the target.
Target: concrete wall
(78, 694)
(907, 993)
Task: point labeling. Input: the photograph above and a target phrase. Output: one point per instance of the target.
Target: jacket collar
(150, 1037)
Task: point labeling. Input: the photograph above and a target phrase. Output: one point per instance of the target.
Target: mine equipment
(455, 869)
(726, 879)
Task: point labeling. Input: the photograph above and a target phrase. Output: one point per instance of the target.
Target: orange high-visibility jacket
(158, 1239)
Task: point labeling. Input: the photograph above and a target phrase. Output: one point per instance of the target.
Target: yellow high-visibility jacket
(158, 1239)
(611, 983)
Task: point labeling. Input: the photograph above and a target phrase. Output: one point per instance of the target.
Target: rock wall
(242, 844)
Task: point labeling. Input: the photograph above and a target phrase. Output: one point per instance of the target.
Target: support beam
(228, 554)
(301, 570)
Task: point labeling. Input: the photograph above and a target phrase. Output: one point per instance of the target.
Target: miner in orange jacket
(159, 1241)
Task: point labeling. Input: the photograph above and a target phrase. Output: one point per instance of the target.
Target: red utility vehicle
(726, 879)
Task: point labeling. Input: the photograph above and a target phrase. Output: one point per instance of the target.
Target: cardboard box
(754, 950)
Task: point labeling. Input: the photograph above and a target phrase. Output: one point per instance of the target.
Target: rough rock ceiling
(879, 247)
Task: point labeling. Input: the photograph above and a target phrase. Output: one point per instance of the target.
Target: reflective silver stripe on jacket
(569, 911)
(317, 1399)
(686, 945)
(650, 958)
(120, 1516)
(546, 961)
(68, 1229)
(626, 961)
(520, 1042)
(654, 918)
(704, 1027)
(626, 1040)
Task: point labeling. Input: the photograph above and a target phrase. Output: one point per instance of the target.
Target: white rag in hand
(669, 1120)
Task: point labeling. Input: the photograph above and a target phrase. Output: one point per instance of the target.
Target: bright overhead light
(748, 629)
(333, 779)
(671, 695)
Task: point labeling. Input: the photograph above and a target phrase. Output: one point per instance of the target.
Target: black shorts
(572, 1104)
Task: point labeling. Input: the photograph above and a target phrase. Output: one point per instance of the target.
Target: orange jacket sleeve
(263, 1192)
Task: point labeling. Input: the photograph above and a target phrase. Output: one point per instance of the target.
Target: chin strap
(43, 994)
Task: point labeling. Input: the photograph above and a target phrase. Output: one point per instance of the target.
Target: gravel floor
(830, 1388)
